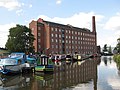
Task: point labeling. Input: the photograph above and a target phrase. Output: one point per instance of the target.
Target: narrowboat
(76, 57)
(58, 58)
(44, 64)
(68, 58)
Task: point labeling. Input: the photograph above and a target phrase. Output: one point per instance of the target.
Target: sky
(77, 13)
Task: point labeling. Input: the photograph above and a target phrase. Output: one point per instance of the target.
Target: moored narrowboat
(44, 64)
(68, 58)
(76, 57)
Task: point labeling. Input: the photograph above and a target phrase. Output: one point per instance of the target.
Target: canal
(92, 74)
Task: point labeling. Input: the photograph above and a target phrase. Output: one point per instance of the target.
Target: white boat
(14, 63)
(10, 66)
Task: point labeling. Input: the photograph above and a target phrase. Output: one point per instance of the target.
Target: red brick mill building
(51, 37)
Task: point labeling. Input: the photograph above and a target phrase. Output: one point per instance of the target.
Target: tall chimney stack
(94, 31)
(93, 24)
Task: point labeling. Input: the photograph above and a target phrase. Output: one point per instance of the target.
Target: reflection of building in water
(69, 75)
(43, 82)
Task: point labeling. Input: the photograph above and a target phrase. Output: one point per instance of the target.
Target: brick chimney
(93, 24)
(40, 20)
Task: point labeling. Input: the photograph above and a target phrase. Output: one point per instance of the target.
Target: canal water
(92, 74)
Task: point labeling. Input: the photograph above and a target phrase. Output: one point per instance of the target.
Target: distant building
(53, 38)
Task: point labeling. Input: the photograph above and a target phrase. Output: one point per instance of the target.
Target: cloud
(19, 12)
(114, 83)
(30, 6)
(111, 30)
(4, 31)
(58, 1)
(110, 40)
(10, 4)
(82, 20)
(113, 23)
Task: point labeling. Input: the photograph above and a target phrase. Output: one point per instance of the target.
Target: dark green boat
(44, 64)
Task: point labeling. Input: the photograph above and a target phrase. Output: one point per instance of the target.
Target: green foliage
(109, 49)
(116, 58)
(20, 39)
(117, 48)
(105, 48)
(3, 51)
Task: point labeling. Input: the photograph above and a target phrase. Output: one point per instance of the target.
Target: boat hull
(11, 69)
(43, 68)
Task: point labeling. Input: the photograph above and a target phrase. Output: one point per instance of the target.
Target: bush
(116, 58)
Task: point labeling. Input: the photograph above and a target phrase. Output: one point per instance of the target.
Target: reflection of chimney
(93, 24)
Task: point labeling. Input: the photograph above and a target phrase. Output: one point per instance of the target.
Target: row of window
(73, 47)
(72, 37)
(80, 52)
(72, 32)
(73, 41)
(68, 49)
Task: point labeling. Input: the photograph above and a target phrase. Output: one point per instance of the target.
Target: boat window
(13, 55)
(68, 56)
(57, 57)
(0, 61)
(8, 62)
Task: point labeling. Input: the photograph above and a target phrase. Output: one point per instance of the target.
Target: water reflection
(107, 59)
(108, 77)
(15, 82)
(69, 75)
(65, 76)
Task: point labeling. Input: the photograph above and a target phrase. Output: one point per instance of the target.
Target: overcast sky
(75, 12)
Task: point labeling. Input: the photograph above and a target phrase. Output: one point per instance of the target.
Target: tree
(105, 48)
(117, 48)
(110, 49)
(20, 39)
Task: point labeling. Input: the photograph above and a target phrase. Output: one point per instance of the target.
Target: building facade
(53, 38)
